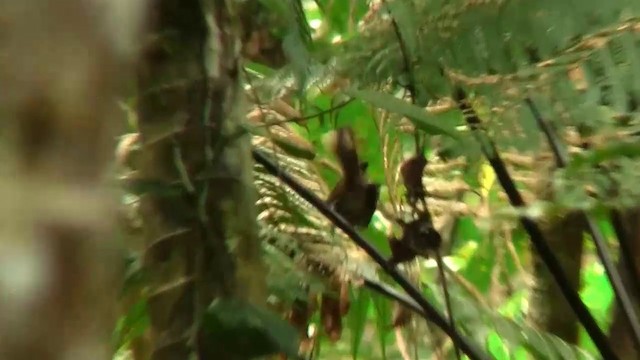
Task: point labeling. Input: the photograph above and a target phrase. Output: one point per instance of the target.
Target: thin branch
(408, 68)
(538, 240)
(401, 344)
(300, 119)
(388, 148)
(447, 299)
(623, 298)
(405, 54)
(428, 311)
(468, 287)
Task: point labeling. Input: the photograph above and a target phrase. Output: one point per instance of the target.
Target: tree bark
(61, 72)
(550, 310)
(200, 227)
(619, 332)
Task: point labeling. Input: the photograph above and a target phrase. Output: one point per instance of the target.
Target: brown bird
(411, 171)
(353, 197)
(419, 238)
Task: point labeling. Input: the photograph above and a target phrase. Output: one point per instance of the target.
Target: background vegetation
(224, 260)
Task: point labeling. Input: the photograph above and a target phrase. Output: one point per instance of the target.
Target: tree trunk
(550, 311)
(619, 333)
(200, 223)
(61, 72)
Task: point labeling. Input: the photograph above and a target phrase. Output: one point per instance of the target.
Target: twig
(447, 299)
(407, 65)
(469, 288)
(401, 344)
(307, 117)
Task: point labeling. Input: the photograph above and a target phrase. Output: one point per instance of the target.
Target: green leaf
(259, 70)
(608, 152)
(404, 15)
(377, 237)
(597, 292)
(236, 329)
(340, 13)
(481, 322)
(135, 275)
(297, 148)
(431, 124)
(383, 321)
(140, 187)
(132, 325)
(357, 319)
(296, 52)
(496, 347)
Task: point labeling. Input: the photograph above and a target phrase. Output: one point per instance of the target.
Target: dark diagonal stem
(490, 151)
(429, 312)
(622, 296)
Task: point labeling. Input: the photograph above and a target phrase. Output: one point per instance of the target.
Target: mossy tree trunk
(201, 232)
(61, 73)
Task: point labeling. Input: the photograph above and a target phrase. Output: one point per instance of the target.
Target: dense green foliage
(346, 66)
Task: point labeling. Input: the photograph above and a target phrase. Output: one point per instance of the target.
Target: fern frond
(318, 248)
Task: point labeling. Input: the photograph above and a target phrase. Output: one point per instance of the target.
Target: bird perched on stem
(353, 197)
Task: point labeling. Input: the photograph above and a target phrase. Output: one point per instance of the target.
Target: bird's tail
(344, 146)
